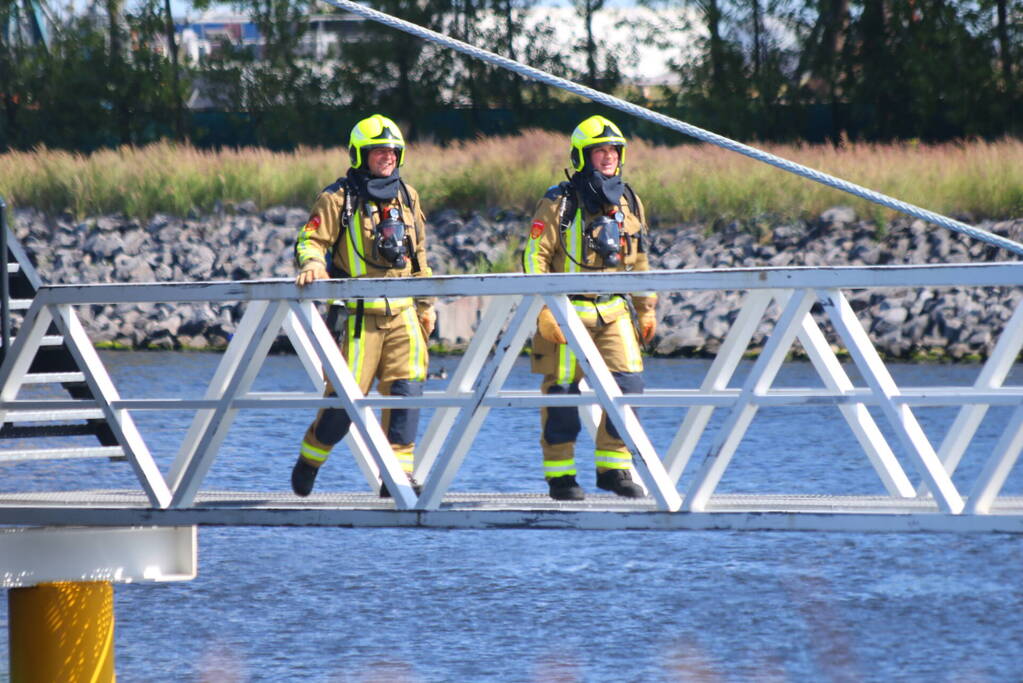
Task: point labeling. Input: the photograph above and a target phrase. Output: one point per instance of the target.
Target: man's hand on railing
(312, 271)
(548, 327)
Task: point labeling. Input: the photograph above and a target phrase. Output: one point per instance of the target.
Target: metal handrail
(842, 277)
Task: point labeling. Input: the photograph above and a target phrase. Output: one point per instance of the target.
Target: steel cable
(680, 126)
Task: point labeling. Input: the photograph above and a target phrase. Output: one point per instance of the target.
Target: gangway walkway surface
(177, 496)
(745, 512)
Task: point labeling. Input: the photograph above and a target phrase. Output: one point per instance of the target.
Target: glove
(647, 326)
(428, 319)
(311, 271)
(548, 327)
(646, 317)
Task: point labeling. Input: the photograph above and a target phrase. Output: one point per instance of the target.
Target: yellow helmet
(593, 132)
(376, 131)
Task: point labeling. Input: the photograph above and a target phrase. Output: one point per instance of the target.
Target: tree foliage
(751, 69)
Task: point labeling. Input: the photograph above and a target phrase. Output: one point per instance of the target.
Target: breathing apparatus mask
(604, 236)
(389, 243)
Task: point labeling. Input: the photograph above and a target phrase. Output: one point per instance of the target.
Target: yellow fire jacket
(352, 247)
(549, 250)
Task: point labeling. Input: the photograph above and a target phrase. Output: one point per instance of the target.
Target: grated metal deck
(503, 510)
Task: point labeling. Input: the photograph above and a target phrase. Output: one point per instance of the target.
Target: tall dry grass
(686, 183)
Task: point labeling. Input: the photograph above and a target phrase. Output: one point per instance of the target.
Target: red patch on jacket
(313, 224)
(537, 229)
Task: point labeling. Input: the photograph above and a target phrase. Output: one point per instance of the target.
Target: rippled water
(280, 604)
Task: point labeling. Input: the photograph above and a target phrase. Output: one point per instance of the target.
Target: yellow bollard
(62, 632)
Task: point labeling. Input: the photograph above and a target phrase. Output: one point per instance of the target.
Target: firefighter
(592, 223)
(369, 224)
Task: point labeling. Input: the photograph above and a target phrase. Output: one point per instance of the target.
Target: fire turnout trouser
(392, 350)
(618, 346)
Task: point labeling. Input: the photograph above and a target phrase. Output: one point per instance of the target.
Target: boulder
(248, 244)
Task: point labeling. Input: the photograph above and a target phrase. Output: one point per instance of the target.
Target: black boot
(565, 488)
(620, 483)
(416, 486)
(303, 475)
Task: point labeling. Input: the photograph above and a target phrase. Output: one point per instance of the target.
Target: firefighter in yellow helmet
(590, 224)
(369, 223)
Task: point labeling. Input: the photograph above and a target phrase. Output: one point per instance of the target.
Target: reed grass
(687, 183)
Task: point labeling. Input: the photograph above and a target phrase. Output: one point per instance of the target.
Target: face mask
(389, 244)
(604, 237)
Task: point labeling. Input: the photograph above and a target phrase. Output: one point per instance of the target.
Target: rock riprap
(949, 322)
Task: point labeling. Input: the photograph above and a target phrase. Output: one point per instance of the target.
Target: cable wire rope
(680, 126)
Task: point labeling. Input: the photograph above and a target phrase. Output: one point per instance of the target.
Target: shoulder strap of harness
(569, 203)
(634, 206)
(566, 215)
(630, 196)
(347, 210)
(405, 195)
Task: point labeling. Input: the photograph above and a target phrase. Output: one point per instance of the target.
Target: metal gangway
(477, 388)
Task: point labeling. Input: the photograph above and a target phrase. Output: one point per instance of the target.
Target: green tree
(1006, 26)
(385, 69)
(920, 69)
(15, 57)
(740, 70)
(519, 35)
(820, 74)
(175, 65)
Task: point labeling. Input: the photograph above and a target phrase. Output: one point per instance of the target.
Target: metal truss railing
(477, 384)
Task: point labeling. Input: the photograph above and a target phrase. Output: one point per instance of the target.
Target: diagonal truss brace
(310, 360)
(828, 368)
(364, 421)
(619, 413)
(488, 382)
(863, 426)
(996, 470)
(992, 376)
(232, 379)
(720, 373)
(24, 349)
(741, 415)
(465, 380)
(899, 415)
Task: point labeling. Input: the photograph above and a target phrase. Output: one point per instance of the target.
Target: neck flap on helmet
(596, 189)
(378, 189)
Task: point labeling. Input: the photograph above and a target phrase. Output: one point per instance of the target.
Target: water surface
(328, 604)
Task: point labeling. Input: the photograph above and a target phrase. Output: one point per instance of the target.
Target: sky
(617, 27)
(180, 8)
(650, 62)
